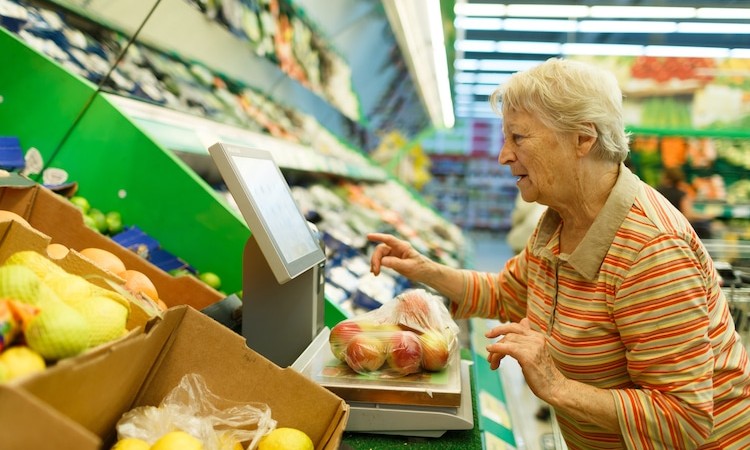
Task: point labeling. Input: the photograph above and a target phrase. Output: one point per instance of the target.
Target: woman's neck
(589, 193)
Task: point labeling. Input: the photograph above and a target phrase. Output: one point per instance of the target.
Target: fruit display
(411, 333)
(191, 417)
(55, 313)
(111, 224)
(279, 31)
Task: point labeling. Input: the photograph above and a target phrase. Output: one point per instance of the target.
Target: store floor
(490, 251)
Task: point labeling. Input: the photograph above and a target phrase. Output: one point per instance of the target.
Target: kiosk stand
(283, 261)
(283, 306)
(278, 320)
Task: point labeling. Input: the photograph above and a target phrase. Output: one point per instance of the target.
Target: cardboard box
(59, 219)
(15, 237)
(82, 401)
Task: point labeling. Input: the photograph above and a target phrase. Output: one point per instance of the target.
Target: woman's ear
(586, 141)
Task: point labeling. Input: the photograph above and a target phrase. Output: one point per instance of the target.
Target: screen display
(277, 207)
(263, 197)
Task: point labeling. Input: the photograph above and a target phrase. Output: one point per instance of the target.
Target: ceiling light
(466, 64)
(484, 89)
(713, 28)
(539, 48)
(625, 26)
(492, 78)
(464, 77)
(470, 45)
(499, 65)
(642, 12)
(563, 26)
(418, 27)
(478, 23)
(697, 52)
(740, 53)
(479, 9)
(568, 11)
(723, 13)
(463, 89)
(602, 49)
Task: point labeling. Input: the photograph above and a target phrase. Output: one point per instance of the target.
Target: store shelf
(187, 133)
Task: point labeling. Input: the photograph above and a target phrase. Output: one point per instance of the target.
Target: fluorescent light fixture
(469, 45)
(568, 11)
(602, 49)
(466, 64)
(492, 77)
(504, 65)
(464, 89)
(479, 9)
(478, 23)
(465, 77)
(723, 13)
(740, 53)
(484, 89)
(642, 12)
(713, 28)
(529, 47)
(562, 26)
(418, 27)
(698, 52)
(464, 99)
(625, 26)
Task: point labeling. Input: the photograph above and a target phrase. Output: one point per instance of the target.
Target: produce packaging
(411, 333)
(198, 416)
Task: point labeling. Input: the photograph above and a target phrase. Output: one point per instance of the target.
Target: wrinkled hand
(398, 255)
(529, 348)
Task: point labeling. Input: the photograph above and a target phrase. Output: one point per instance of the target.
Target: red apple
(404, 353)
(412, 311)
(365, 353)
(340, 336)
(435, 350)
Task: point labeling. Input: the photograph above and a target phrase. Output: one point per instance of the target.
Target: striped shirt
(636, 309)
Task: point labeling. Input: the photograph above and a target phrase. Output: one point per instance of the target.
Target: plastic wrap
(191, 407)
(408, 334)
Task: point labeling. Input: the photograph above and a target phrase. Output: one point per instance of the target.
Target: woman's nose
(506, 155)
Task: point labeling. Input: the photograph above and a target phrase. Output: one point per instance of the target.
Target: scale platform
(416, 405)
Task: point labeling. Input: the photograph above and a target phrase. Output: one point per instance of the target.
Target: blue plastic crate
(11, 153)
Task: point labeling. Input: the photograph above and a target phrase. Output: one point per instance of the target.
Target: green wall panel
(41, 100)
(119, 167)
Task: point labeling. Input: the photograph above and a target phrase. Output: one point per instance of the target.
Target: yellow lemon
(21, 360)
(286, 439)
(131, 444)
(177, 440)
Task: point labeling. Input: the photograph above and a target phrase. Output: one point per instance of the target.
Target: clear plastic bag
(191, 407)
(408, 334)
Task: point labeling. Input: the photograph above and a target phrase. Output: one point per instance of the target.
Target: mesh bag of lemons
(191, 417)
(47, 314)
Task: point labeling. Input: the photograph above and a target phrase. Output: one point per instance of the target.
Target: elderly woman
(613, 310)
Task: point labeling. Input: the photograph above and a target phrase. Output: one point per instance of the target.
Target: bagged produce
(198, 415)
(408, 334)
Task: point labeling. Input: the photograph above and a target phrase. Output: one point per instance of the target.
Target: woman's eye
(516, 137)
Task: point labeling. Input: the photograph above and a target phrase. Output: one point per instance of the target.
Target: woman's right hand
(398, 255)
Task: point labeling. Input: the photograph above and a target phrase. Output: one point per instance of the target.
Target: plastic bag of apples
(411, 333)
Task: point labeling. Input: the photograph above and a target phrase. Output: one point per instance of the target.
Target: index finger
(383, 237)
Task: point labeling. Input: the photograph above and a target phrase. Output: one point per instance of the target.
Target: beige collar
(587, 258)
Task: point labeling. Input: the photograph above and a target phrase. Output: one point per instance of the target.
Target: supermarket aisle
(490, 253)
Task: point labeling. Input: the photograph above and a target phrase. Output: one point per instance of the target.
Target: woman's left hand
(529, 348)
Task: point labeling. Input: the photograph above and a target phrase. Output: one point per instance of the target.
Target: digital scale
(284, 303)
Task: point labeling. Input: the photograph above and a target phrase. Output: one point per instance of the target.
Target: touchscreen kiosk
(283, 302)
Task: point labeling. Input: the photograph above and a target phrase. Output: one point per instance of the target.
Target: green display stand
(118, 167)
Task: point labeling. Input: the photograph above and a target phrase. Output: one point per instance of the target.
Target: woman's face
(537, 157)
